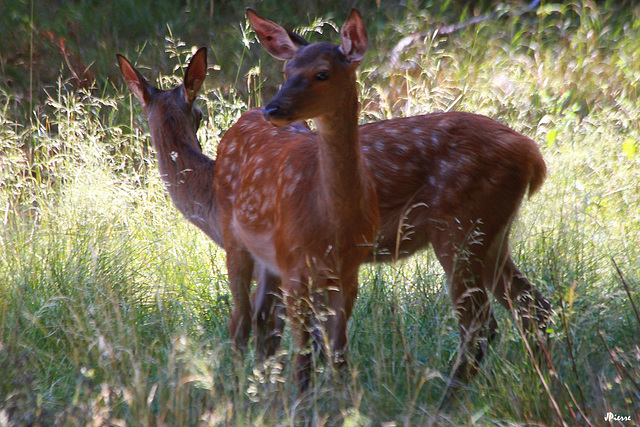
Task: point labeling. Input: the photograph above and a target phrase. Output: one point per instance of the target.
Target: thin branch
(571, 357)
(626, 288)
(450, 29)
(621, 371)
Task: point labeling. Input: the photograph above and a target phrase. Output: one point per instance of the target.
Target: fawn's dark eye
(322, 75)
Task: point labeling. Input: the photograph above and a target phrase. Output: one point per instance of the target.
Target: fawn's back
(444, 170)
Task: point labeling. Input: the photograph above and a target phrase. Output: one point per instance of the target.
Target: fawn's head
(173, 105)
(319, 77)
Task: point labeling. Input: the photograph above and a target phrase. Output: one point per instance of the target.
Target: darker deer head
(174, 104)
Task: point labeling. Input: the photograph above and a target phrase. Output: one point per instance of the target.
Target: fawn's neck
(343, 173)
(187, 173)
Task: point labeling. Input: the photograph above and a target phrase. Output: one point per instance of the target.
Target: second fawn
(454, 181)
(188, 173)
(304, 205)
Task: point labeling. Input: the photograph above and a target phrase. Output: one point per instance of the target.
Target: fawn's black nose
(271, 110)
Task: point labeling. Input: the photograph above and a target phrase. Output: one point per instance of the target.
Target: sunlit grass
(114, 308)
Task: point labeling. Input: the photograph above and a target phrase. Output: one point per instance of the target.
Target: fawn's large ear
(280, 43)
(138, 85)
(196, 72)
(353, 37)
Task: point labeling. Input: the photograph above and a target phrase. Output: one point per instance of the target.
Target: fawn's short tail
(538, 173)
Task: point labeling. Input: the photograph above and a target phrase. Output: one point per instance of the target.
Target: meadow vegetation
(113, 308)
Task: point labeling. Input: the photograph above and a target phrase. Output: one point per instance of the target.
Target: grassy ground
(113, 309)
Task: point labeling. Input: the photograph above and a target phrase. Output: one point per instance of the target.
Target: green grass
(113, 308)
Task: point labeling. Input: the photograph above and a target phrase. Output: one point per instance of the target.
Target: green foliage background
(113, 308)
